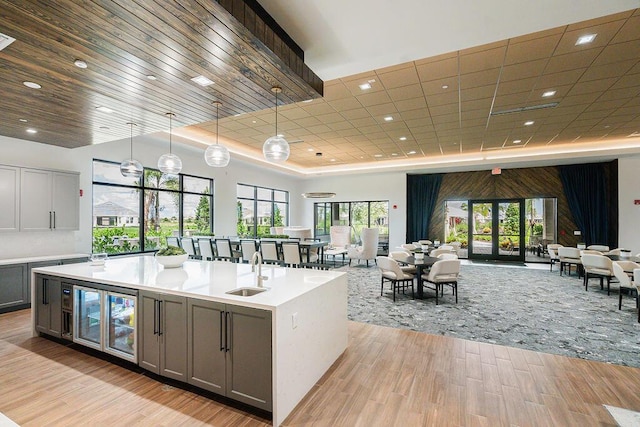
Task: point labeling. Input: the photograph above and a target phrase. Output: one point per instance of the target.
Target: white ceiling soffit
(341, 38)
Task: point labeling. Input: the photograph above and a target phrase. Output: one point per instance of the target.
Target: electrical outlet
(294, 320)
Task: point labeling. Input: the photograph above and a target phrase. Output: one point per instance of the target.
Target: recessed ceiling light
(587, 38)
(394, 154)
(152, 77)
(517, 141)
(548, 93)
(388, 119)
(32, 130)
(104, 109)
(445, 86)
(22, 120)
(403, 138)
(310, 150)
(307, 100)
(377, 155)
(32, 85)
(80, 63)
(202, 81)
(365, 86)
(411, 152)
(529, 123)
(333, 160)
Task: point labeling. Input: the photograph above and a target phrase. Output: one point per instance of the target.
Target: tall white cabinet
(9, 198)
(49, 200)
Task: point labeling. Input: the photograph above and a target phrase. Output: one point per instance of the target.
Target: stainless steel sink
(246, 292)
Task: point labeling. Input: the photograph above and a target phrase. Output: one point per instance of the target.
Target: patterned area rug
(524, 307)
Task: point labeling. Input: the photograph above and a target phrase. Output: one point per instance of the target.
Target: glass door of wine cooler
(120, 317)
(87, 315)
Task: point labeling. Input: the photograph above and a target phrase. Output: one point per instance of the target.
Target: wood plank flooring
(387, 377)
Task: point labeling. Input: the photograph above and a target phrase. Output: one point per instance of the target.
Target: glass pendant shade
(276, 148)
(217, 155)
(131, 168)
(170, 163)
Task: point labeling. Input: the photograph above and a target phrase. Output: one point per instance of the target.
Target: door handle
(160, 317)
(54, 219)
(50, 220)
(44, 291)
(223, 325)
(155, 317)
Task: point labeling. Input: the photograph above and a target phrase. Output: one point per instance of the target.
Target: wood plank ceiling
(125, 42)
(450, 104)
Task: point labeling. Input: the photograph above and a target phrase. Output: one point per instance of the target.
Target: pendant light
(276, 148)
(170, 163)
(131, 168)
(217, 155)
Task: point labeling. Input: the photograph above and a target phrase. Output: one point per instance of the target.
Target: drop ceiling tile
(482, 60)
(365, 121)
(373, 98)
(410, 116)
(592, 86)
(605, 71)
(629, 30)
(358, 113)
(399, 77)
(443, 110)
(480, 92)
(619, 52)
(480, 78)
(379, 111)
(532, 49)
(560, 79)
(330, 118)
(605, 33)
(406, 92)
(342, 125)
(335, 90)
(341, 105)
(318, 129)
(411, 105)
(438, 70)
(580, 59)
(436, 87)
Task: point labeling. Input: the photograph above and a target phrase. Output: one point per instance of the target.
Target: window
(259, 209)
(356, 214)
(133, 215)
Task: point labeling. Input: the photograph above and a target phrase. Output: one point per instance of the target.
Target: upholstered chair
(340, 236)
(569, 257)
(391, 272)
(409, 246)
(443, 272)
(206, 249)
(173, 241)
(187, 244)
(601, 248)
(269, 251)
(621, 270)
(369, 248)
(598, 266)
(552, 248)
(401, 257)
(434, 253)
(425, 242)
(447, 256)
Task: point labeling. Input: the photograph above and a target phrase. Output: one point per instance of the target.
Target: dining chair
(206, 249)
(447, 256)
(443, 272)
(224, 252)
(616, 251)
(409, 246)
(434, 253)
(369, 248)
(401, 257)
(189, 247)
(391, 272)
(601, 248)
(598, 266)
(269, 251)
(173, 241)
(569, 257)
(425, 242)
(247, 248)
(552, 249)
(621, 270)
(291, 254)
(590, 252)
(311, 254)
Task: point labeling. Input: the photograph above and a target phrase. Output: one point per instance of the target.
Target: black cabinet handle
(54, 219)
(155, 317)
(223, 325)
(44, 291)
(160, 317)
(50, 220)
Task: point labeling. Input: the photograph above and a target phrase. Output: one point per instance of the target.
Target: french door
(496, 229)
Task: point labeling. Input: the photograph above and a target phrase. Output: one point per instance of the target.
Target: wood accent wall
(512, 183)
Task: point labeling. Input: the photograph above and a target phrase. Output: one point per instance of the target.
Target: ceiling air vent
(5, 40)
(523, 109)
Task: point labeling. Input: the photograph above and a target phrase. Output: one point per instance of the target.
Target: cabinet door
(173, 337)
(249, 359)
(48, 306)
(206, 345)
(9, 198)
(33, 265)
(65, 201)
(13, 286)
(148, 341)
(35, 200)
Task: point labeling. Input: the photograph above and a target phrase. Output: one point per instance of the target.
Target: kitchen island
(305, 311)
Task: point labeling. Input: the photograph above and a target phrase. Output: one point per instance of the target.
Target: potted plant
(171, 256)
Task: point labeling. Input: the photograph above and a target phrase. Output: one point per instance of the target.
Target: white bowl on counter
(172, 261)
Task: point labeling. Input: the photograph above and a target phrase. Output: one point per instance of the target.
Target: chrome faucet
(257, 258)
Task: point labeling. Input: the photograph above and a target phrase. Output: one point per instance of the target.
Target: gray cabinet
(9, 198)
(48, 305)
(163, 334)
(230, 351)
(14, 287)
(48, 200)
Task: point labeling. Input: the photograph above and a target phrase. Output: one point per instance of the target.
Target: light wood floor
(387, 377)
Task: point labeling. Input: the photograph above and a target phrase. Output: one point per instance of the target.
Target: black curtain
(587, 192)
(422, 192)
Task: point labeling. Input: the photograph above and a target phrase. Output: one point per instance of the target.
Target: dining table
(421, 265)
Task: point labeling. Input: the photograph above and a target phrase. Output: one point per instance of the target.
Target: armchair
(369, 248)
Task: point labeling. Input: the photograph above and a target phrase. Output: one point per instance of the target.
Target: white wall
(629, 213)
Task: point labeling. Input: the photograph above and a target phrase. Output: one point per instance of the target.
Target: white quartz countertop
(26, 260)
(200, 279)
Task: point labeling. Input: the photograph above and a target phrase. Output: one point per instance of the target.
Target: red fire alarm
(81, 192)
(636, 202)
(395, 206)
